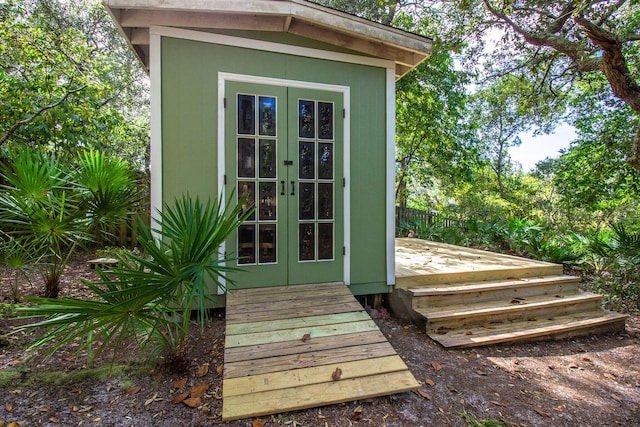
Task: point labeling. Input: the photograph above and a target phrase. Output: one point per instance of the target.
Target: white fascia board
(391, 178)
(360, 27)
(268, 7)
(155, 52)
(225, 40)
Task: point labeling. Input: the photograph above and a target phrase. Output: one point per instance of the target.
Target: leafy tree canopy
(434, 140)
(67, 80)
(558, 45)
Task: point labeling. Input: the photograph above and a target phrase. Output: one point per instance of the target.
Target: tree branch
(561, 44)
(558, 23)
(614, 63)
(610, 12)
(29, 119)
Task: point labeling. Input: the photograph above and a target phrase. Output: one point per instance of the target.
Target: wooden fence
(126, 234)
(406, 216)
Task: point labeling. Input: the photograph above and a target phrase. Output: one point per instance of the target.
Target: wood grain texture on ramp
(285, 345)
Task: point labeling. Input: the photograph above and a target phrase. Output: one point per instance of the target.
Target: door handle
(293, 188)
(283, 190)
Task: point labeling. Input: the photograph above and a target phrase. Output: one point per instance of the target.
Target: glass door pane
(255, 147)
(316, 180)
(257, 160)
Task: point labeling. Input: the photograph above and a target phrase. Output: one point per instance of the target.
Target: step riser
(473, 276)
(530, 290)
(523, 312)
(603, 328)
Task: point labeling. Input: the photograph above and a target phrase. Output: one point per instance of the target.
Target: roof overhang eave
(299, 17)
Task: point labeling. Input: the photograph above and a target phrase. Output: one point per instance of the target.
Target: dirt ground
(587, 381)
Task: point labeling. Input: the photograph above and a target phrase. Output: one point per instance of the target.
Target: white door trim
(224, 77)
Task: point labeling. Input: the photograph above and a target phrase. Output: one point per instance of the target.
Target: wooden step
(587, 323)
(474, 292)
(498, 273)
(509, 310)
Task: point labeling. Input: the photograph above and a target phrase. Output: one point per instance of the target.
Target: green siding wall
(189, 134)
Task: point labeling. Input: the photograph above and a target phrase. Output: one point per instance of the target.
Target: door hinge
(224, 102)
(225, 179)
(344, 113)
(344, 250)
(344, 182)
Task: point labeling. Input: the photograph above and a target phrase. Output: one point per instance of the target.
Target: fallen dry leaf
(220, 369)
(198, 390)
(155, 398)
(133, 390)
(498, 403)
(429, 381)
(574, 366)
(97, 420)
(192, 402)
(180, 383)
(436, 366)
(54, 420)
(424, 394)
(336, 374)
(179, 398)
(543, 414)
(259, 423)
(306, 337)
(202, 370)
(357, 414)
(8, 407)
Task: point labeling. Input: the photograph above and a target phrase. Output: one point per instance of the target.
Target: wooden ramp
(297, 347)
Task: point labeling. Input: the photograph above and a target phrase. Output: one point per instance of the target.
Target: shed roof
(298, 17)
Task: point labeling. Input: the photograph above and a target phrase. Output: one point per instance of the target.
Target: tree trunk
(401, 189)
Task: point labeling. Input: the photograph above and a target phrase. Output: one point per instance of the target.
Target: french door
(284, 154)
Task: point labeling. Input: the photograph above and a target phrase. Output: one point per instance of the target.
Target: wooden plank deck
(284, 344)
(422, 263)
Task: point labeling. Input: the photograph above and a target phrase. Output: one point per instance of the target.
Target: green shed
(292, 104)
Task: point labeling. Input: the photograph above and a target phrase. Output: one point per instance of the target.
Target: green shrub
(147, 298)
(49, 209)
